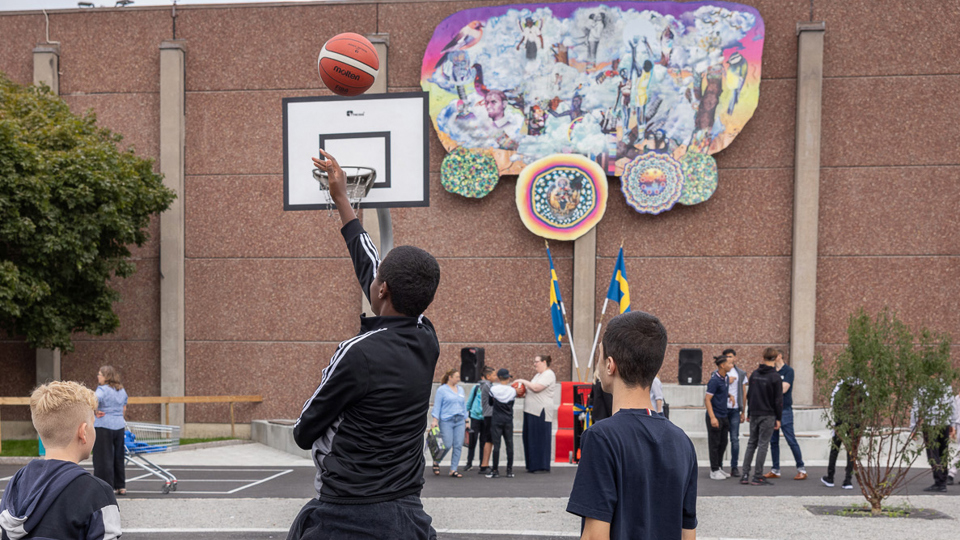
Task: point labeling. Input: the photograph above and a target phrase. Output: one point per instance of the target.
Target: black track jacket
(366, 420)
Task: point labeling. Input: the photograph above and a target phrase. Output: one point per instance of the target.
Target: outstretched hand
(337, 181)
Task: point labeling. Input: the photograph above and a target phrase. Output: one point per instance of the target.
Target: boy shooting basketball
(365, 422)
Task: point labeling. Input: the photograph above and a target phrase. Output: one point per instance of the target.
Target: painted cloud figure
(611, 81)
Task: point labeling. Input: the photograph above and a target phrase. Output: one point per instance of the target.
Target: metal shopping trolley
(141, 439)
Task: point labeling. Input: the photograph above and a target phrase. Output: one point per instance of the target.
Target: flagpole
(596, 338)
(566, 325)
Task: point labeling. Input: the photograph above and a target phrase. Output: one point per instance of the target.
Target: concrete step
(692, 419)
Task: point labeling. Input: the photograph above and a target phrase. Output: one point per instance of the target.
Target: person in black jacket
(365, 422)
(764, 411)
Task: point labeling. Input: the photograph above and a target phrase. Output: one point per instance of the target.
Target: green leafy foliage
(71, 203)
(887, 373)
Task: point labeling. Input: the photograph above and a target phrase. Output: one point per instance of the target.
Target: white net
(359, 182)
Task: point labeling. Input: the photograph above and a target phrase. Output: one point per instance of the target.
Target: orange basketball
(348, 64)
(521, 389)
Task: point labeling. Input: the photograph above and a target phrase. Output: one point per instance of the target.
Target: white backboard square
(387, 132)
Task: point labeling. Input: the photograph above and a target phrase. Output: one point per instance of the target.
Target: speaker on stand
(471, 364)
(691, 366)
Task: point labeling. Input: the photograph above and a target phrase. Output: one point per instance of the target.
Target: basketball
(348, 64)
(521, 389)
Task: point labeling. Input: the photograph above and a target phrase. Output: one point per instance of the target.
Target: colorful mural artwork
(562, 196)
(610, 81)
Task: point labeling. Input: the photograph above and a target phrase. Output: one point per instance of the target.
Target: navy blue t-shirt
(720, 388)
(787, 374)
(637, 472)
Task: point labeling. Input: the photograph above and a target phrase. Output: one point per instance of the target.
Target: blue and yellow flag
(619, 290)
(556, 311)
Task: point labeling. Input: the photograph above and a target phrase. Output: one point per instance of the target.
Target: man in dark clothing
(486, 431)
(637, 477)
(718, 425)
(600, 403)
(764, 411)
(364, 424)
(787, 375)
(845, 397)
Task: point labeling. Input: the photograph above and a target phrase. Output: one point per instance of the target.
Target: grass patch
(184, 442)
(30, 447)
(902, 511)
(18, 448)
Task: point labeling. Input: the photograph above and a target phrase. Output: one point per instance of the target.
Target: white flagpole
(593, 350)
(573, 349)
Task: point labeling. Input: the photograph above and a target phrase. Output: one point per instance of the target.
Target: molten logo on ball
(346, 73)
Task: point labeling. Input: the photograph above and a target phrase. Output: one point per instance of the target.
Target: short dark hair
(729, 351)
(487, 370)
(638, 343)
(770, 354)
(412, 275)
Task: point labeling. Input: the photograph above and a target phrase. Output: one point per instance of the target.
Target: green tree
(70, 204)
(886, 371)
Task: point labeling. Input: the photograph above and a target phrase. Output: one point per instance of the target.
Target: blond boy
(55, 497)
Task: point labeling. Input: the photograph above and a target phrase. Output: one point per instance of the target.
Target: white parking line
(564, 534)
(241, 488)
(206, 530)
(191, 480)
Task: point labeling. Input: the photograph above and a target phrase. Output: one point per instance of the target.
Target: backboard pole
(386, 231)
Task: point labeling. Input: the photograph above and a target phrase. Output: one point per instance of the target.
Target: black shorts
(399, 518)
(486, 433)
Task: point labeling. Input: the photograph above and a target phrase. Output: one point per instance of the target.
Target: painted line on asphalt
(241, 488)
(564, 534)
(202, 530)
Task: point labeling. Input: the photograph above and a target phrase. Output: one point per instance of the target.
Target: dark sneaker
(827, 480)
(735, 472)
(493, 474)
(468, 468)
(483, 470)
(936, 489)
(745, 479)
(760, 481)
(509, 473)
(847, 484)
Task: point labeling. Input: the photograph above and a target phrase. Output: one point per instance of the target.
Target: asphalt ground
(226, 482)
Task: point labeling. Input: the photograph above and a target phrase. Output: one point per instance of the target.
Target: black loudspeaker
(471, 364)
(691, 366)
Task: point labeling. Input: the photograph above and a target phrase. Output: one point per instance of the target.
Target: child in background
(502, 396)
(54, 497)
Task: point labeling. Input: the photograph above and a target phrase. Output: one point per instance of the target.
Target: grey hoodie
(58, 499)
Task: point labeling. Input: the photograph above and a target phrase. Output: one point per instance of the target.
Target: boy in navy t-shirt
(637, 476)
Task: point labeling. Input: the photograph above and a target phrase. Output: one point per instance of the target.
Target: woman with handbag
(450, 412)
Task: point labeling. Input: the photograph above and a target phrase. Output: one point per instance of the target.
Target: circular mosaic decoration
(562, 196)
(652, 183)
(699, 178)
(471, 173)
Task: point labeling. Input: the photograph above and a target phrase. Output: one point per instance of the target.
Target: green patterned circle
(470, 173)
(699, 178)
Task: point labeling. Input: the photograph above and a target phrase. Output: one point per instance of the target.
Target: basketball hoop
(359, 182)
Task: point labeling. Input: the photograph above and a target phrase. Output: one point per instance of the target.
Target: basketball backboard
(387, 132)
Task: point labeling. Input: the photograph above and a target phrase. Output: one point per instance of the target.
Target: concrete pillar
(806, 209)
(46, 69)
(46, 66)
(48, 365)
(369, 216)
(172, 357)
(584, 299)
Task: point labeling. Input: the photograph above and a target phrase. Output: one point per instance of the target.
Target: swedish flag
(556, 310)
(619, 290)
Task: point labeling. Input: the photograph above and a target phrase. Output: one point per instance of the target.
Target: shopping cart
(141, 439)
